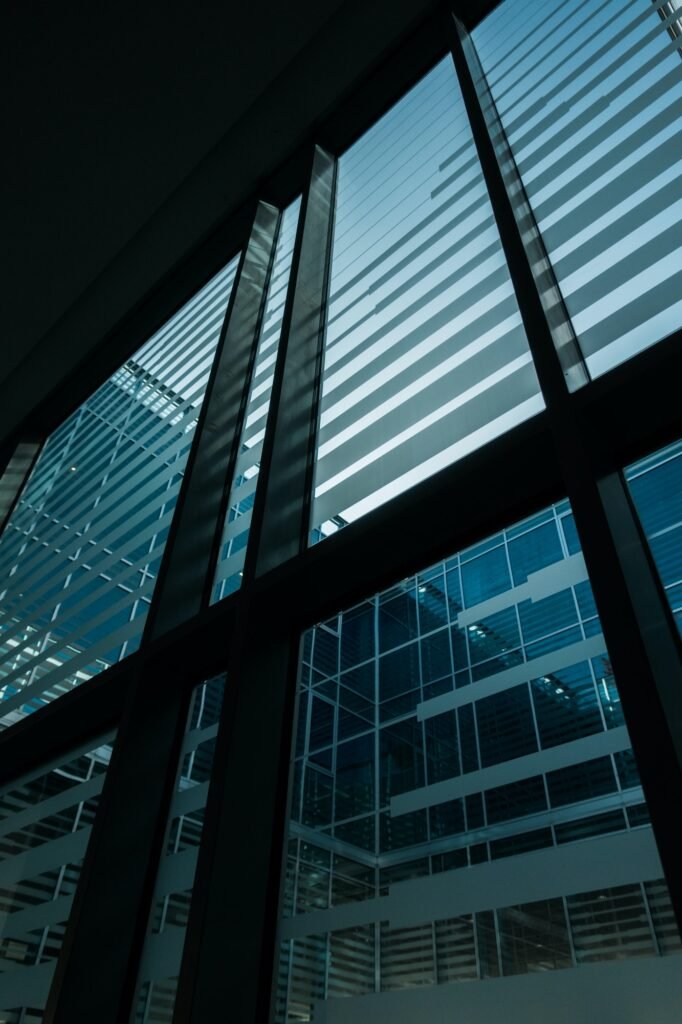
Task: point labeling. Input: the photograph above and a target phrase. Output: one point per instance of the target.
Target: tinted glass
(590, 97)
(81, 552)
(162, 955)
(656, 487)
(45, 825)
(425, 357)
(463, 791)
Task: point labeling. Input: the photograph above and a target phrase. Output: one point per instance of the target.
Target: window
(45, 823)
(447, 724)
(80, 555)
(656, 487)
(589, 96)
(425, 356)
(460, 738)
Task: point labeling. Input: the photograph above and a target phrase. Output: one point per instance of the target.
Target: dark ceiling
(130, 132)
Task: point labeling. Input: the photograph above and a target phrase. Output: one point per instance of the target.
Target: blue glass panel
(80, 554)
(590, 97)
(505, 724)
(425, 355)
(439, 773)
(230, 564)
(656, 487)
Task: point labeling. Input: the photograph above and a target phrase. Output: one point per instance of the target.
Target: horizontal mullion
(376, 550)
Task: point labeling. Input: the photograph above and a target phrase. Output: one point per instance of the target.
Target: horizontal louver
(590, 96)
(81, 552)
(425, 356)
(45, 825)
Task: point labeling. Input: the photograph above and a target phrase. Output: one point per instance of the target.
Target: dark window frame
(576, 447)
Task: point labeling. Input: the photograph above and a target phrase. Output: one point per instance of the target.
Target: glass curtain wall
(590, 97)
(45, 824)
(425, 356)
(80, 554)
(465, 802)
(656, 487)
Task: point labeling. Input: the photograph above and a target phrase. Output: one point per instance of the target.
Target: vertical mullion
(230, 945)
(97, 971)
(97, 968)
(549, 330)
(186, 573)
(643, 643)
(280, 523)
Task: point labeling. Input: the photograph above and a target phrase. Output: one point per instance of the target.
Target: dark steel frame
(576, 448)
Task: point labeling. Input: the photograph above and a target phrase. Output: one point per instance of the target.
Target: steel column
(233, 917)
(188, 566)
(643, 643)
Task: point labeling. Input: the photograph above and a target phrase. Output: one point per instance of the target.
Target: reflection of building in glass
(465, 800)
(80, 554)
(45, 824)
(160, 963)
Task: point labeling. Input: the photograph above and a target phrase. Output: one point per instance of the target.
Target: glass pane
(162, 954)
(45, 824)
(242, 495)
(656, 487)
(425, 356)
(590, 96)
(465, 803)
(81, 552)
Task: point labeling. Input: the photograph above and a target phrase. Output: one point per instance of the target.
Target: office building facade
(340, 644)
